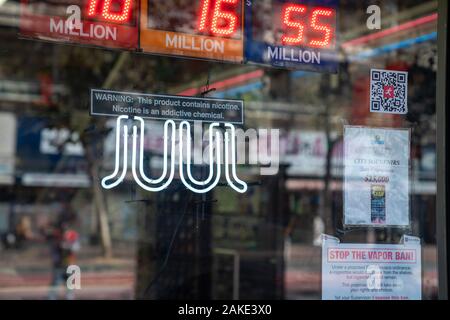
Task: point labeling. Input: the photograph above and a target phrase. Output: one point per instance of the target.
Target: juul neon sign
(169, 163)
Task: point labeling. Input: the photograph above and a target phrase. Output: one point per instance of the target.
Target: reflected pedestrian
(63, 240)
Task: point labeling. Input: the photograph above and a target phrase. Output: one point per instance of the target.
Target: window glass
(302, 128)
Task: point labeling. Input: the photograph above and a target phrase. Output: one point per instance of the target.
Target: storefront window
(334, 193)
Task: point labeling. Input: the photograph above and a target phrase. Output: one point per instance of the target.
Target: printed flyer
(376, 177)
(371, 271)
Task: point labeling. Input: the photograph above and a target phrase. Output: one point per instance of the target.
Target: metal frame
(441, 148)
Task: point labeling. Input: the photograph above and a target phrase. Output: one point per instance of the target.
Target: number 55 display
(292, 34)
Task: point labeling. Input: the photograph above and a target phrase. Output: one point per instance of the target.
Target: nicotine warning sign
(166, 107)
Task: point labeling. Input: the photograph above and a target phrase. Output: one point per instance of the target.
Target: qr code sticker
(388, 91)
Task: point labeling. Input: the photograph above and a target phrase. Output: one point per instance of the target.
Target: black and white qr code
(388, 91)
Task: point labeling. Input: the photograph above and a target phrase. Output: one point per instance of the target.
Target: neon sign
(185, 172)
(222, 145)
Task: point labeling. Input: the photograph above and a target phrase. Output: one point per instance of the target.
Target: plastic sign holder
(103, 23)
(126, 106)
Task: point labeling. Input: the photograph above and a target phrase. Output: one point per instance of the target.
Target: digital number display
(109, 10)
(105, 23)
(216, 19)
(292, 34)
(210, 29)
(300, 30)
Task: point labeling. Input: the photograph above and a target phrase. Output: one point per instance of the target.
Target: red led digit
(122, 16)
(228, 16)
(92, 6)
(203, 15)
(325, 29)
(218, 15)
(288, 22)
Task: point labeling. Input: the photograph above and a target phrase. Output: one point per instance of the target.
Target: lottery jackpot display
(207, 29)
(104, 23)
(284, 34)
(292, 34)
